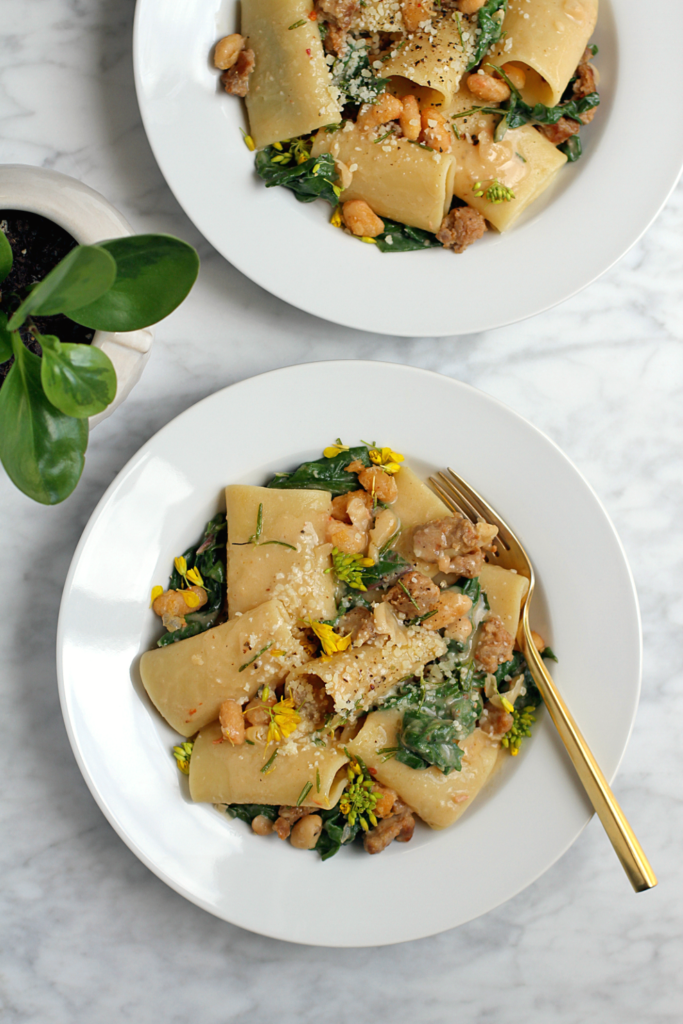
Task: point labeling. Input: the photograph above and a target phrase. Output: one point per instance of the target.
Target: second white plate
(593, 213)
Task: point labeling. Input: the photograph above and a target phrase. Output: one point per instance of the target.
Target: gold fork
(510, 554)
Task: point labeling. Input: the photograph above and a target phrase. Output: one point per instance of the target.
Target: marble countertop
(88, 934)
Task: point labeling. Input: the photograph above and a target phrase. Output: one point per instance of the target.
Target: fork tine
(457, 494)
(448, 497)
(483, 509)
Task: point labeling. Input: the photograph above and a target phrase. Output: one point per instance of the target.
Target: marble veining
(88, 934)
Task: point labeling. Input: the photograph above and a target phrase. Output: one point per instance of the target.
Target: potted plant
(113, 289)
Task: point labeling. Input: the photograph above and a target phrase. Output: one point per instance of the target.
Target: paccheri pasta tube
(523, 162)
(222, 773)
(439, 799)
(396, 178)
(357, 678)
(290, 92)
(545, 38)
(287, 555)
(189, 680)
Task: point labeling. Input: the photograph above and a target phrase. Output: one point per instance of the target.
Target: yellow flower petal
(194, 576)
(506, 704)
(336, 218)
(387, 458)
(191, 599)
(334, 449)
(156, 592)
(331, 642)
(181, 565)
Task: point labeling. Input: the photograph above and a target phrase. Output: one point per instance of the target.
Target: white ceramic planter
(90, 218)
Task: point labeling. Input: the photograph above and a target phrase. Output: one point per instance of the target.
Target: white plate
(157, 507)
(594, 212)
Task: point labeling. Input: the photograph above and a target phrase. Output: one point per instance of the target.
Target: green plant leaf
(6, 258)
(83, 275)
(154, 274)
(6, 351)
(78, 379)
(42, 450)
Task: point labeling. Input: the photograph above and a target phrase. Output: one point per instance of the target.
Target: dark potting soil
(38, 245)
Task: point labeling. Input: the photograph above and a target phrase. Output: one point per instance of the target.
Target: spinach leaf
(470, 588)
(402, 238)
(512, 668)
(490, 29)
(325, 474)
(42, 450)
(336, 833)
(312, 179)
(435, 718)
(247, 812)
(517, 113)
(352, 75)
(433, 740)
(389, 566)
(208, 556)
(572, 148)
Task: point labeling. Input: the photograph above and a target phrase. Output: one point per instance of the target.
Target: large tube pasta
(416, 504)
(439, 799)
(289, 90)
(223, 774)
(546, 38)
(524, 161)
(188, 681)
(357, 677)
(505, 591)
(257, 572)
(435, 62)
(396, 178)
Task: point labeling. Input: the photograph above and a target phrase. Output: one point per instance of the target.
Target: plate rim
(129, 467)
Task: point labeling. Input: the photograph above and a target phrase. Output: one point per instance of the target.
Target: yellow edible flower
(336, 218)
(190, 598)
(182, 754)
(181, 565)
(335, 449)
(248, 142)
(387, 459)
(194, 576)
(156, 592)
(284, 718)
(331, 642)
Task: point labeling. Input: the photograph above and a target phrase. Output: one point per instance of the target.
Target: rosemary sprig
(256, 656)
(304, 793)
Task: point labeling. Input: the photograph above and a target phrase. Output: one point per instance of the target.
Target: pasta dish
(422, 122)
(339, 655)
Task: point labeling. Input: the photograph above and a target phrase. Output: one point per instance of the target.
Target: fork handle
(620, 833)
